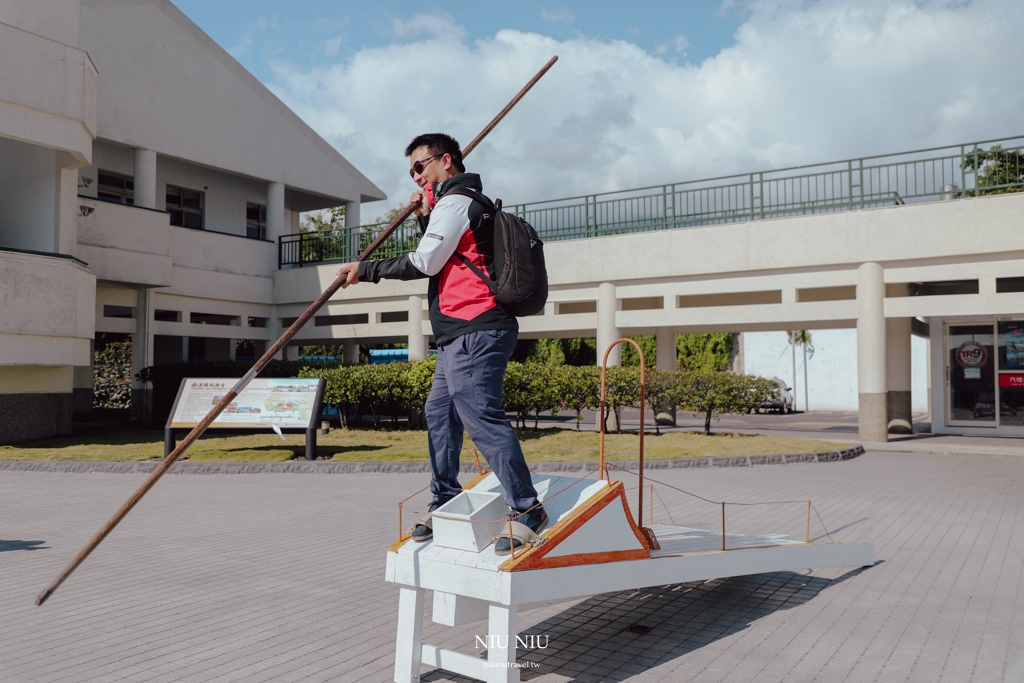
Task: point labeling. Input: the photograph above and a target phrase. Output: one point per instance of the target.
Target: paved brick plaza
(280, 578)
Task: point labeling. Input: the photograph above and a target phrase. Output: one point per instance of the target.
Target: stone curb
(307, 467)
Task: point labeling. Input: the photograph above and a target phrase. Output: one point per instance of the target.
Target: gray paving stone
(280, 578)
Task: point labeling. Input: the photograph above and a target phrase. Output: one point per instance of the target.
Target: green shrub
(112, 376)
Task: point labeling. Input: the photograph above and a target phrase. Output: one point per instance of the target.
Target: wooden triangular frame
(537, 557)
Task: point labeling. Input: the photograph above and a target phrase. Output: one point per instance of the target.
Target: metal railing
(972, 169)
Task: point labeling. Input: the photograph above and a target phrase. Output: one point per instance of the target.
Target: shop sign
(971, 354)
(1011, 380)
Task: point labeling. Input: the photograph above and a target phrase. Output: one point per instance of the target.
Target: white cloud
(680, 44)
(562, 16)
(438, 26)
(805, 82)
(332, 46)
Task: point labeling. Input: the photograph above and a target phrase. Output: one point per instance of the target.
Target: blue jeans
(467, 392)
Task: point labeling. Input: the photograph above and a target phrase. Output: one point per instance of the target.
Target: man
(475, 337)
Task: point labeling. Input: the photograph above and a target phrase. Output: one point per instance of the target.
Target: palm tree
(801, 338)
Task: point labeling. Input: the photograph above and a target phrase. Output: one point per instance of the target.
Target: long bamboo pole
(223, 403)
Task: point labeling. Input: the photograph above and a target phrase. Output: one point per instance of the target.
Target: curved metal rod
(604, 387)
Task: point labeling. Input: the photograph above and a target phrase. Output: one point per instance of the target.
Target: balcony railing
(977, 168)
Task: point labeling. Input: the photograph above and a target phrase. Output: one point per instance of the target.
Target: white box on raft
(469, 520)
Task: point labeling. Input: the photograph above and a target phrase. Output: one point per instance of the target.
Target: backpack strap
(476, 196)
(494, 209)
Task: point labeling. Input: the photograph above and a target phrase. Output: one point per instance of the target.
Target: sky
(643, 93)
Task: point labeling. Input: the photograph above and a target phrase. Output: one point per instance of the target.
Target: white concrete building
(150, 186)
(886, 248)
(145, 177)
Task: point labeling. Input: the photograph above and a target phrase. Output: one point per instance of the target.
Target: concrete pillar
(291, 353)
(145, 178)
(607, 332)
(351, 352)
(352, 220)
(666, 340)
(276, 330)
(871, 388)
(417, 340)
(66, 208)
(142, 354)
(275, 211)
(232, 349)
(898, 375)
(184, 349)
(81, 405)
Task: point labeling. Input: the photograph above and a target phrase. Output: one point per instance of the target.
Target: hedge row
(532, 388)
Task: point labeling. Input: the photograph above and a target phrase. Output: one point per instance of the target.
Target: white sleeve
(449, 221)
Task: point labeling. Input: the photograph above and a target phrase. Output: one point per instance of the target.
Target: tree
(543, 390)
(622, 388)
(579, 388)
(112, 376)
(516, 392)
(712, 393)
(648, 343)
(998, 171)
(324, 221)
(658, 392)
(800, 338)
(710, 351)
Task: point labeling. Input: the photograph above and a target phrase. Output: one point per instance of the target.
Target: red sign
(1013, 380)
(971, 354)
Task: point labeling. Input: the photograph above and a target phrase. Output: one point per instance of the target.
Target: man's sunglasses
(418, 167)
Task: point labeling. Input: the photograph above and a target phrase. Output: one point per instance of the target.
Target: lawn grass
(131, 443)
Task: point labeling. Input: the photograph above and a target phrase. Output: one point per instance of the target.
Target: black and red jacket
(460, 302)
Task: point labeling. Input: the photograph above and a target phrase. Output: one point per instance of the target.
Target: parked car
(783, 401)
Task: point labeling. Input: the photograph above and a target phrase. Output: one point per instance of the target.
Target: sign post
(292, 405)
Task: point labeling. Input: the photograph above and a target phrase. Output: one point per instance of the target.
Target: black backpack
(521, 282)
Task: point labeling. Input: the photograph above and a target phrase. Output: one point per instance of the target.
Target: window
(185, 207)
(255, 221)
(115, 188)
(118, 311)
(167, 316)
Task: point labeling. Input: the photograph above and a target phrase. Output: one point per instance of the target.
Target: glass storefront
(972, 397)
(985, 374)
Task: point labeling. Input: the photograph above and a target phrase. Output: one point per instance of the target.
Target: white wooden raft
(593, 547)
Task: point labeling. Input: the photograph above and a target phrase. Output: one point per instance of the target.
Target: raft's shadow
(615, 636)
(22, 545)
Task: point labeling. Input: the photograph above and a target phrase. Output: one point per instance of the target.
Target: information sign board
(289, 404)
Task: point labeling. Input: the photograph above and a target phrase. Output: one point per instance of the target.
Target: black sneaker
(424, 529)
(535, 519)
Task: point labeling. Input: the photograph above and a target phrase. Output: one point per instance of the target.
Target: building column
(142, 354)
(352, 220)
(232, 349)
(607, 332)
(351, 352)
(145, 178)
(66, 206)
(417, 340)
(84, 381)
(667, 354)
(275, 211)
(898, 375)
(291, 352)
(871, 349)
(276, 330)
